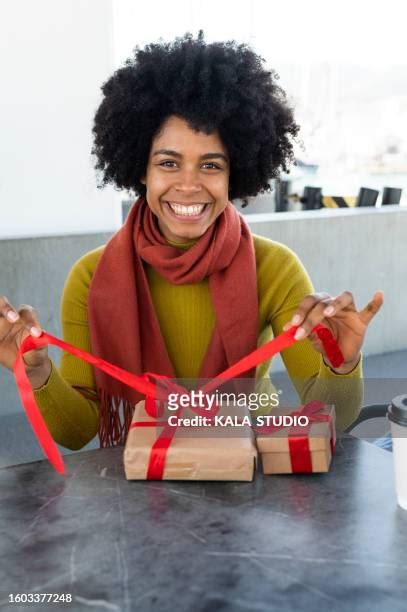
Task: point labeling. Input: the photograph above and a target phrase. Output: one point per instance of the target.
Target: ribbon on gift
(144, 385)
(298, 445)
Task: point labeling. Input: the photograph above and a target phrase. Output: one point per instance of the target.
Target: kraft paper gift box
(195, 453)
(286, 450)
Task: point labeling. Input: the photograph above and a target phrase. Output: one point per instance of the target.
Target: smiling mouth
(189, 212)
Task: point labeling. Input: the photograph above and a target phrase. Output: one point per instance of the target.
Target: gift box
(288, 450)
(193, 453)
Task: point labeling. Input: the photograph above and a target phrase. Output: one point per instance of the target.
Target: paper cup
(397, 414)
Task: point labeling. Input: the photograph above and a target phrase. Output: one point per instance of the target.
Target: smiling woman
(187, 180)
(184, 289)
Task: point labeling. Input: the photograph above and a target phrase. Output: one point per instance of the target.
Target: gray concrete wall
(359, 250)
(33, 271)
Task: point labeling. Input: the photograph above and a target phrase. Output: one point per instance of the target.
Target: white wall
(54, 56)
(292, 31)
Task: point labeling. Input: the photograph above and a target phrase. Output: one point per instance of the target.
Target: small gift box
(299, 449)
(190, 452)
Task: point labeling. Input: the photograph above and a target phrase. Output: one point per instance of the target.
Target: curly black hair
(219, 86)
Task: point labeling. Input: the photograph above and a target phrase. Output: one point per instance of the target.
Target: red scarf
(123, 325)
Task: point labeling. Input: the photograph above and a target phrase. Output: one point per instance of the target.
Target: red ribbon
(144, 386)
(300, 454)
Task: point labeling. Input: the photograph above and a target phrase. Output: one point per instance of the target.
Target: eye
(211, 166)
(168, 163)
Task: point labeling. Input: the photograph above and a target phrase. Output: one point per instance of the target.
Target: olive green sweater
(187, 318)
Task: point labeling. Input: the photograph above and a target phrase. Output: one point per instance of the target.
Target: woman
(183, 288)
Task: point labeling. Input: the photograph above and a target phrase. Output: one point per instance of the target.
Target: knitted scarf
(124, 328)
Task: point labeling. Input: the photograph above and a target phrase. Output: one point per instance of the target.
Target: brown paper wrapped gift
(195, 453)
(275, 447)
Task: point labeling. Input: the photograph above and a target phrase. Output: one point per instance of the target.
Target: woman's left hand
(339, 314)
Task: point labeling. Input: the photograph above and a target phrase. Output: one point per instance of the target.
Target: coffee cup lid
(397, 411)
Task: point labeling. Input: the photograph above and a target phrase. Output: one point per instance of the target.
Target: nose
(188, 182)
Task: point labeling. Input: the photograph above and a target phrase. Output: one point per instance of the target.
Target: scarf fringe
(114, 423)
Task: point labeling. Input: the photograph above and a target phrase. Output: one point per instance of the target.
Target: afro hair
(219, 86)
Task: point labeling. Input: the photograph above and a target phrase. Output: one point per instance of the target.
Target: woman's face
(187, 180)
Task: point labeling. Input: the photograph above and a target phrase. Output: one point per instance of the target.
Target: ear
(143, 180)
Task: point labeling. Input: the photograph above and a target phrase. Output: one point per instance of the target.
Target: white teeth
(187, 211)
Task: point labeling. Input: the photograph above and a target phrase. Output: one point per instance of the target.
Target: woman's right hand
(15, 326)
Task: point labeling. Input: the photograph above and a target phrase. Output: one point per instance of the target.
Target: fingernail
(300, 333)
(295, 320)
(12, 316)
(34, 331)
(329, 310)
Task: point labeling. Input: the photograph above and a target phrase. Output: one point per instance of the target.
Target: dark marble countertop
(335, 541)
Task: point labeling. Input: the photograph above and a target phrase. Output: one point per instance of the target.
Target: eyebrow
(205, 156)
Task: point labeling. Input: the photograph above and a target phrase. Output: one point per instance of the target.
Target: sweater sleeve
(282, 283)
(68, 400)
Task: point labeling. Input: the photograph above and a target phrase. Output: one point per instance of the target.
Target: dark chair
(391, 195)
(367, 197)
(312, 198)
(373, 411)
(282, 189)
